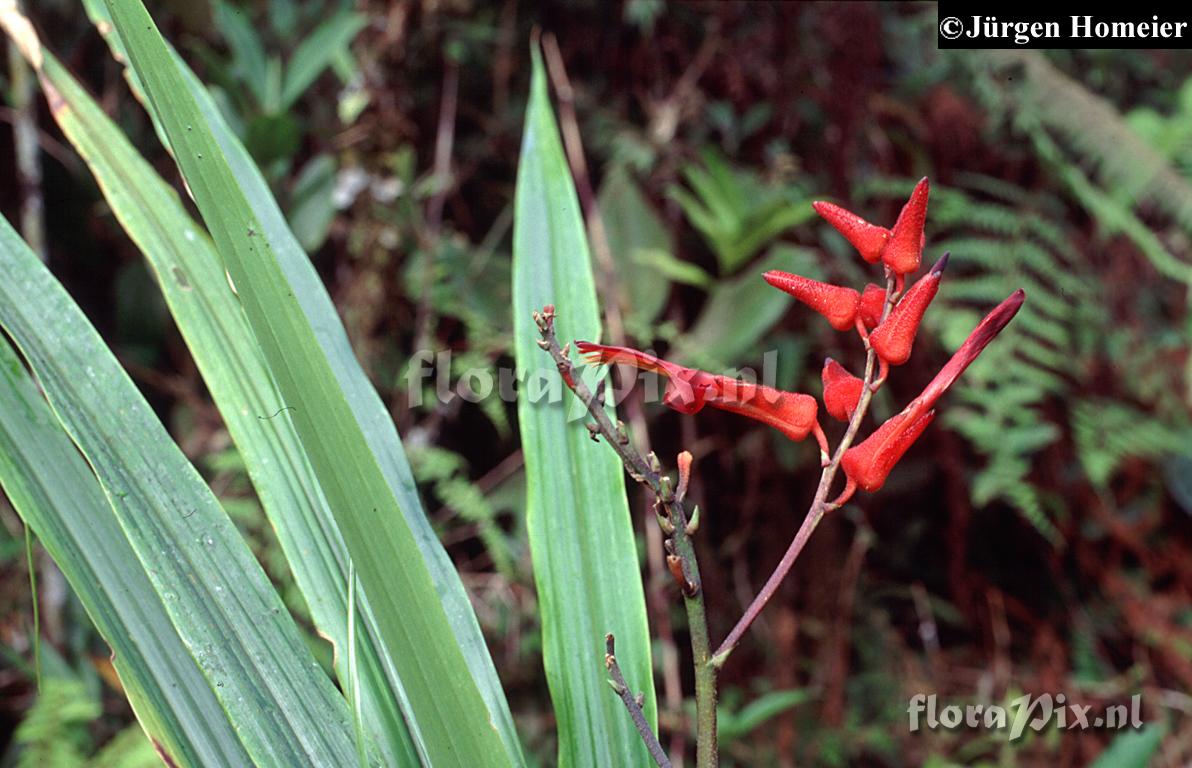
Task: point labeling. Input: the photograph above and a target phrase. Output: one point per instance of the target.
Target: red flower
(868, 239)
(837, 303)
(867, 464)
(905, 247)
(873, 301)
(842, 390)
(689, 390)
(894, 338)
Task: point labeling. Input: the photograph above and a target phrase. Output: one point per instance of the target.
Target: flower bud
(868, 464)
(842, 390)
(873, 301)
(837, 303)
(868, 239)
(905, 247)
(893, 339)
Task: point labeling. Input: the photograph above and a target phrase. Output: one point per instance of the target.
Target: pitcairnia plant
(886, 321)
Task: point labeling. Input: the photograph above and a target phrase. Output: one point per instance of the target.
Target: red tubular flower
(842, 390)
(689, 390)
(905, 247)
(893, 339)
(868, 239)
(868, 464)
(837, 303)
(873, 301)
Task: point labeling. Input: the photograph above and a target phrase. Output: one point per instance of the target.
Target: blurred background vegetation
(1037, 542)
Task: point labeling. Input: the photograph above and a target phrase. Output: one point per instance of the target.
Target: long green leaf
(55, 492)
(369, 411)
(581, 537)
(208, 314)
(219, 601)
(445, 703)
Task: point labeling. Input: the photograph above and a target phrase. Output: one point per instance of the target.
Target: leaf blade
(577, 514)
(367, 507)
(218, 599)
(192, 281)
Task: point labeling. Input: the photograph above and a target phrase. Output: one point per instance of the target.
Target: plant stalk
(819, 505)
(677, 519)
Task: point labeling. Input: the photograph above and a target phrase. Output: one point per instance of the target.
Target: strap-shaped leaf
(581, 537)
(371, 414)
(56, 494)
(218, 600)
(208, 314)
(445, 705)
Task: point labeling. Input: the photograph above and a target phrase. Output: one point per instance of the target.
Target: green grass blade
(446, 705)
(370, 412)
(316, 52)
(581, 537)
(192, 280)
(218, 599)
(58, 497)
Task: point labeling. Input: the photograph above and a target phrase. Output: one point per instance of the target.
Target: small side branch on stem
(632, 703)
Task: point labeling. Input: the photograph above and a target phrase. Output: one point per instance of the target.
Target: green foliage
(55, 732)
(1107, 433)
(1069, 125)
(586, 566)
(642, 248)
(1132, 749)
(50, 735)
(735, 723)
(447, 472)
(363, 495)
(737, 214)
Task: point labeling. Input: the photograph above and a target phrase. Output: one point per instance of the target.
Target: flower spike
(689, 390)
(868, 464)
(842, 390)
(868, 239)
(905, 247)
(893, 339)
(837, 303)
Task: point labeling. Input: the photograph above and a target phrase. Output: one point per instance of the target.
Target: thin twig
(679, 523)
(632, 703)
(820, 505)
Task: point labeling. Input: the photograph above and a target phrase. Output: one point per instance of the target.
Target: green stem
(706, 750)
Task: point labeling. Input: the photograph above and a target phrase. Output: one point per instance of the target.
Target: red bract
(894, 338)
(873, 301)
(868, 239)
(837, 303)
(842, 390)
(867, 464)
(905, 247)
(689, 390)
